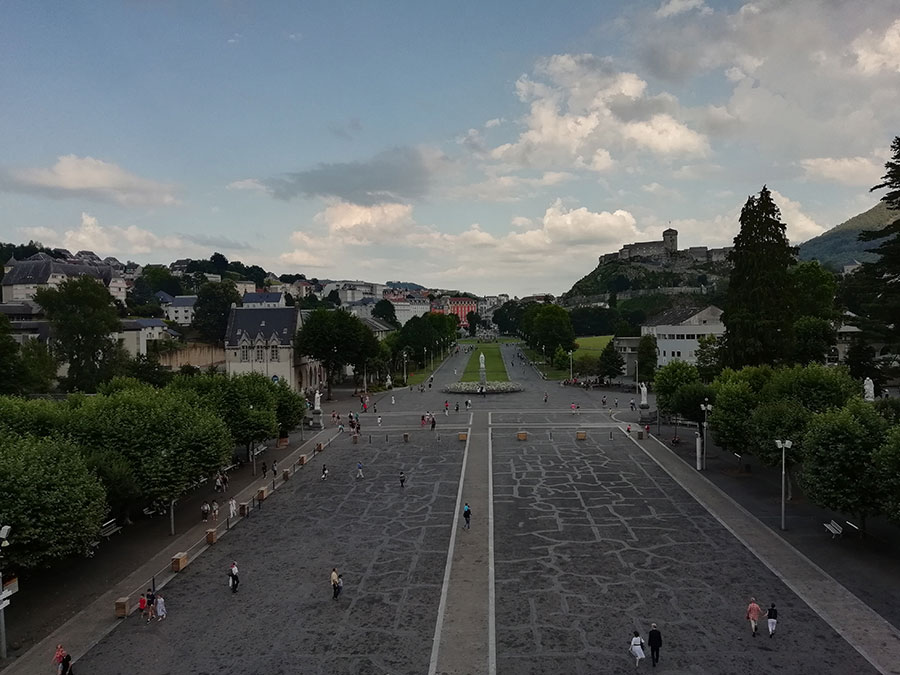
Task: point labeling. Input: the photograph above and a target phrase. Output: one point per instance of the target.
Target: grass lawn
(586, 345)
(495, 369)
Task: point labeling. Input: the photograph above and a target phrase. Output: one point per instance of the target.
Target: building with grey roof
(181, 309)
(678, 331)
(23, 278)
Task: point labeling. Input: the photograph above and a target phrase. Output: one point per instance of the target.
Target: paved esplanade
(574, 544)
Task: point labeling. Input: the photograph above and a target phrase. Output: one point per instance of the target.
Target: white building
(243, 287)
(263, 300)
(407, 308)
(23, 278)
(679, 330)
(181, 309)
(136, 334)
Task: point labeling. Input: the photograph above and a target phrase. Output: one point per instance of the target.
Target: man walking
(324, 472)
(753, 612)
(233, 579)
(232, 507)
(402, 479)
(772, 616)
(654, 639)
(359, 471)
(467, 514)
(335, 589)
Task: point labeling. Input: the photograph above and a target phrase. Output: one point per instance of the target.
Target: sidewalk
(868, 632)
(43, 611)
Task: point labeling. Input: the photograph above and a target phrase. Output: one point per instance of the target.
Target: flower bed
(474, 388)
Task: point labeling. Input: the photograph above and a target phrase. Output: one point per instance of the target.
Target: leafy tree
(887, 463)
(647, 355)
(551, 328)
(840, 471)
(147, 368)
(384, 310)
(813, 290)
(669, 379)
(289, 408)
(780, 419)
(709, 357)
(813, 337)
(335, 339)
(83, 317)
(10, 363)
(861, 363)
(689, 397)
(587, 364)
(757, 313)
(219, 263)
(472, 320)
(155, 279)
(815, 387)
(33, 417)
(561, 359)
(594, 321)
(52, 502)
(211, 310)
(729, 420)
(611, 362)
(37, 368)
(334, 297)
(507, 317)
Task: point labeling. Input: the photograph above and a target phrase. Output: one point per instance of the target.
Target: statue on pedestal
(481, 360)
(869, 389)
(643, 394)
(388, 382)
(318, 401)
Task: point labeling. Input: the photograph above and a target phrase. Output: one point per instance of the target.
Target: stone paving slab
(389, 543)
(552, 418)
(593, 541)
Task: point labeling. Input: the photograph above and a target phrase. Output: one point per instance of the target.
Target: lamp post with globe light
(4, 597)
(706, 407)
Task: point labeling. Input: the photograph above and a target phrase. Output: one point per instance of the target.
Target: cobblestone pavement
(389, 543)
(593, 541)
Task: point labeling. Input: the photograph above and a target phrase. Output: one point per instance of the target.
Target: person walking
(161, 612)
(215, 511)
(335, 577)
(379, 420)
(753, 612)
(324, 472)
(433, 423)
(340, 585)
(467, 515)
(232, 508)
(546, 397)
(772, 616)
(65, 666)
(59, 656)
(274, 468)
(631, 403)
(204, 510)
(393, 401)
(402, 479)
(233, 579)
(265, 469)
(359, 471)
(457, 407)
(637, 649)
(151, 605)
(654, 639)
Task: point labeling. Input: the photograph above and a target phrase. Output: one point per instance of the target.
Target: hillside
(840, 245)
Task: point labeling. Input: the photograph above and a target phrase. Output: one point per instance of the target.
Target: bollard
(385, 438)
(406, 438)
(610, 435)
(640, 435)
(370, 438)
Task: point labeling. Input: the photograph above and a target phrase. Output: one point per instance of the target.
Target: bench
(109, 528)
(835, 529)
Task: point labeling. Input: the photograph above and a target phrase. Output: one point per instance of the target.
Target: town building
(628, 348)
(458, 305)
(260, 300)
(408, 306)
(23, 278)
(243, 287)
(181, 309)
(678, 331)
(137, 334)
(381, 329)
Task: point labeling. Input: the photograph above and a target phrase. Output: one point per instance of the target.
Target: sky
(492, 147)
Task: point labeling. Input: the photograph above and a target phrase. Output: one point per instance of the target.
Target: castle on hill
(666, 251)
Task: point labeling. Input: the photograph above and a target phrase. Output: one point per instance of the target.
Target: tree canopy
(212, 308)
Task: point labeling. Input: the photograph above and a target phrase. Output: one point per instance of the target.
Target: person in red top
(142, 605)
(753, 612)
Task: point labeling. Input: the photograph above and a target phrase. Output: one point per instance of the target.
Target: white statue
(388, 382)
(481, 360)
(869, 389)
(318, 401)
(643, 393)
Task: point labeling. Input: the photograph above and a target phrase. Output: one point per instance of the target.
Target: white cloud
(107, 239)
(493, 123)
(675, 7)
(87, 177)
(521, 221)
(875, 53)
(509, 188)
(666, 136)
(857, 171)
(800, 226)
(251, 184)
(661, 191)
(363, 225)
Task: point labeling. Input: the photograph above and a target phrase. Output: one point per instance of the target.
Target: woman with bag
(637, 648)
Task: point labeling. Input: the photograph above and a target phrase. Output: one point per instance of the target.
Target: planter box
(244, 509)
(319, 447)
(355, 439)
(211, 536)
(580, 435)
(640, 435)
(406, 438)
(463, 436)
(522, 435)
(285, 474)
(262, 493)
(179, 561)
(282, 442)
(122, 607)
(302, 460)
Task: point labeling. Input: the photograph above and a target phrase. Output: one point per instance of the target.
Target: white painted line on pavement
(442, 607)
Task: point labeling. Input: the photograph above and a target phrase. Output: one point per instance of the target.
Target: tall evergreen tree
(757, 314)
(879, 281)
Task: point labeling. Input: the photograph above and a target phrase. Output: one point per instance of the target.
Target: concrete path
(465, 616)
(864, 629)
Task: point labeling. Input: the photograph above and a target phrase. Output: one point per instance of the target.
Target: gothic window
(260, 353)
(273, 353)
(245, 353)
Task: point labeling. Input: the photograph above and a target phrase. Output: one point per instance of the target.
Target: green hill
(840, 245)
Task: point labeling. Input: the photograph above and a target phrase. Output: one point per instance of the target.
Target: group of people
(654, 640)
(63, 661)
(211, 509)
(151, 605)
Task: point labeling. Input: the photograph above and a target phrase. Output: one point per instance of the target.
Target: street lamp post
(424, 357)
(784, 446)
(4, 535)
(404, 368)
(706, 407)
(571, 376)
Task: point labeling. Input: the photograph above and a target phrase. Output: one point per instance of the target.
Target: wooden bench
(835, 529)
(109, 528)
